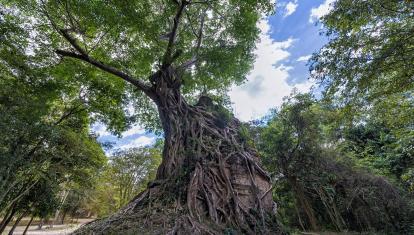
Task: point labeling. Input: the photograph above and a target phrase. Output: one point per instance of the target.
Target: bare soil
(59, 229)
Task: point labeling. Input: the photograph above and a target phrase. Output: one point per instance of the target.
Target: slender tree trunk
(6, 216)
(209, 180)
(303, 201)
(64, 195)
(4, 192)
(22, 192)
(7, 220)
(40, 225)
(299, 218)
(17, 223)
(63, 217)
(28, 225)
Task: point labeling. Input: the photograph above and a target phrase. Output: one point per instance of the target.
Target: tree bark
(63, 217)
(28, 225)
(64, 195)
(303, 201)
(6, 216)
(209, 181)
(6, 220)
(17, 223)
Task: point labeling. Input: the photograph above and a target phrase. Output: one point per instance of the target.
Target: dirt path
(46, 230)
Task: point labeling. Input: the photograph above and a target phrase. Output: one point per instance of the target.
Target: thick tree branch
(188, 63)
(72, 41)
(139, 84)
(190, 24)
(83, 55)
(200, 32)
(199, 36)
(167, 60)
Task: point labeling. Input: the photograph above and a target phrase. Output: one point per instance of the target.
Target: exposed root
(210, 181)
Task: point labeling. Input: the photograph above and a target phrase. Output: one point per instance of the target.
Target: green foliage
(317, 180)
(245, 136)
(44, 125)
(43, 200)
(319, 153)
(370, 53)
(290, 144)
(133, 36)
(294, 131)
(381, 149)
(366, 70)
(127, 173)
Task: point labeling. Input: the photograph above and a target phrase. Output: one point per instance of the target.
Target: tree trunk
(41, 222)
(303, 201)
(6, 220)
(6, 216)
(17, 223)
(64, 195)
(209, 181)
(63, 217)
(28, 225)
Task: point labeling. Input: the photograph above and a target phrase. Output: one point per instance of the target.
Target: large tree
(322, 183)
(160, 54)
(367, 70)
(370, 54)
(44, 125)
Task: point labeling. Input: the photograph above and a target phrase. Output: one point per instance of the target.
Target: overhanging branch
(139, 84)
(84, 56)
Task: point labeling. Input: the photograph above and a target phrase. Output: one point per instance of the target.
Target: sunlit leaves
(132, 36)
(370, 52)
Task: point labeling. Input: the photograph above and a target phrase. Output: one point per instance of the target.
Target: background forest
(340, 157)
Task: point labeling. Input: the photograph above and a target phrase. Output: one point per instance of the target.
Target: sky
(287, 40)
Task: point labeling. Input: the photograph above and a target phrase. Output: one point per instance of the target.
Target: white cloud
(100, 129)
(304, 58)
(305, 86)
(290, 8)
(266, 85)
(320, 11)
(138, 142)
(133, 131)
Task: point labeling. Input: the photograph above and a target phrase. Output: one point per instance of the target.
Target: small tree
(131, 170)
(291, 144)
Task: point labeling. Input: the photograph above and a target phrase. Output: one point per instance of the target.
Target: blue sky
(287, 40)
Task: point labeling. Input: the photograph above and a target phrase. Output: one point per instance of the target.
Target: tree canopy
(212, 45)
(344, 162)
(44, 122)
(127, 62)
(370, 51)
(327, 181)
